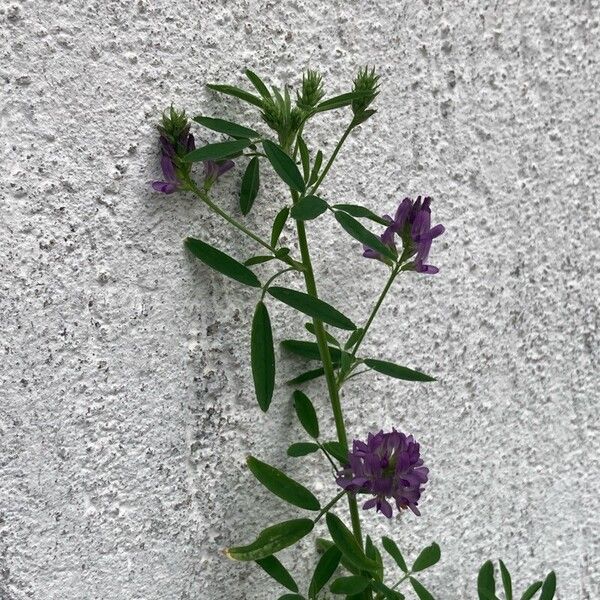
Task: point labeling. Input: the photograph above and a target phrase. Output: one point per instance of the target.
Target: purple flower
(170, 153)
(412, 222)
(387, 237)
(213, 170)
(170, 183)
(388, 465)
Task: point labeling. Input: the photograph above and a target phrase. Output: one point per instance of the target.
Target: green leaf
(283, 486)
(304, 158)
(392, 549)
(387, 593)
(373, 553)
(427, 558)
(306, 414)
(337, 451)
(325, 568)
(311, 329)
(221, 262)
(353, 338)
(311, 306)
(308, 208)
(344, 539)
(291, 597)
(420, 590)
(486, 585)
(257, 260)
(393, 370)
(307, 376)
(284, 166)
(262, 356)
(353, 584)
(362, 117)
(363, 235)
(316, 168)
(257, 82)
(302, 449)
(216, 151)
(549, 587)
(227, 127)
(323, 545)
(309, 350)
(272, 540)
(506, 581)
(231, 90)
(250, 183)
(347, 361)
(278, 224)
(340, 101)
(531, 590)
(278, 572)
(361, 212)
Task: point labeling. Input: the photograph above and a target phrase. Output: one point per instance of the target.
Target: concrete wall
(127, 409)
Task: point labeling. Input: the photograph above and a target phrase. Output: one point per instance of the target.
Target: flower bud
(312, 90)
(174, 126)
(176, 141)
(367, 84)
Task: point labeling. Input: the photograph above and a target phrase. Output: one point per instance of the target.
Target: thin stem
(203, 195)
(357, 374)
(326, 508)
(335, 467)
(376, 308)
(404, 578)
(381, 597)
(331, 159)
(272, 279)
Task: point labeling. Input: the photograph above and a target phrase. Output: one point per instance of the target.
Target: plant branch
(326, 508)
(376, 308)
(265, 287)
(331, 159)
(190, 184)
(335, 467)
(321, 338)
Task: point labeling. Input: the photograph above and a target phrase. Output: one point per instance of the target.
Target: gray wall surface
(126, 405)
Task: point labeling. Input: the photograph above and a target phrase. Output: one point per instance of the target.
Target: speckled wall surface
(126, 405)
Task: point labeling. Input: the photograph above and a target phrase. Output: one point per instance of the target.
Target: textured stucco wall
(126, 406)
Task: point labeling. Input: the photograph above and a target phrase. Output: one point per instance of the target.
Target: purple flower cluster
(170, 151)
(213, 170)
(412, 222)
(388, 465)
(175, 142)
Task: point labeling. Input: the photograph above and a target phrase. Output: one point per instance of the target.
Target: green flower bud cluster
(312, 91)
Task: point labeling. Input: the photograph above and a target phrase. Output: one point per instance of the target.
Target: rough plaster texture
(126, 409)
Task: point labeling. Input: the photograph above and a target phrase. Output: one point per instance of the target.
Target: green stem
(377, 306)
(334, 396)
(331, 159)
(357, 374)
(328, 456)
(272, 279)
(203, 195)
(311, 288)
(326, 508)
(404, 578)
